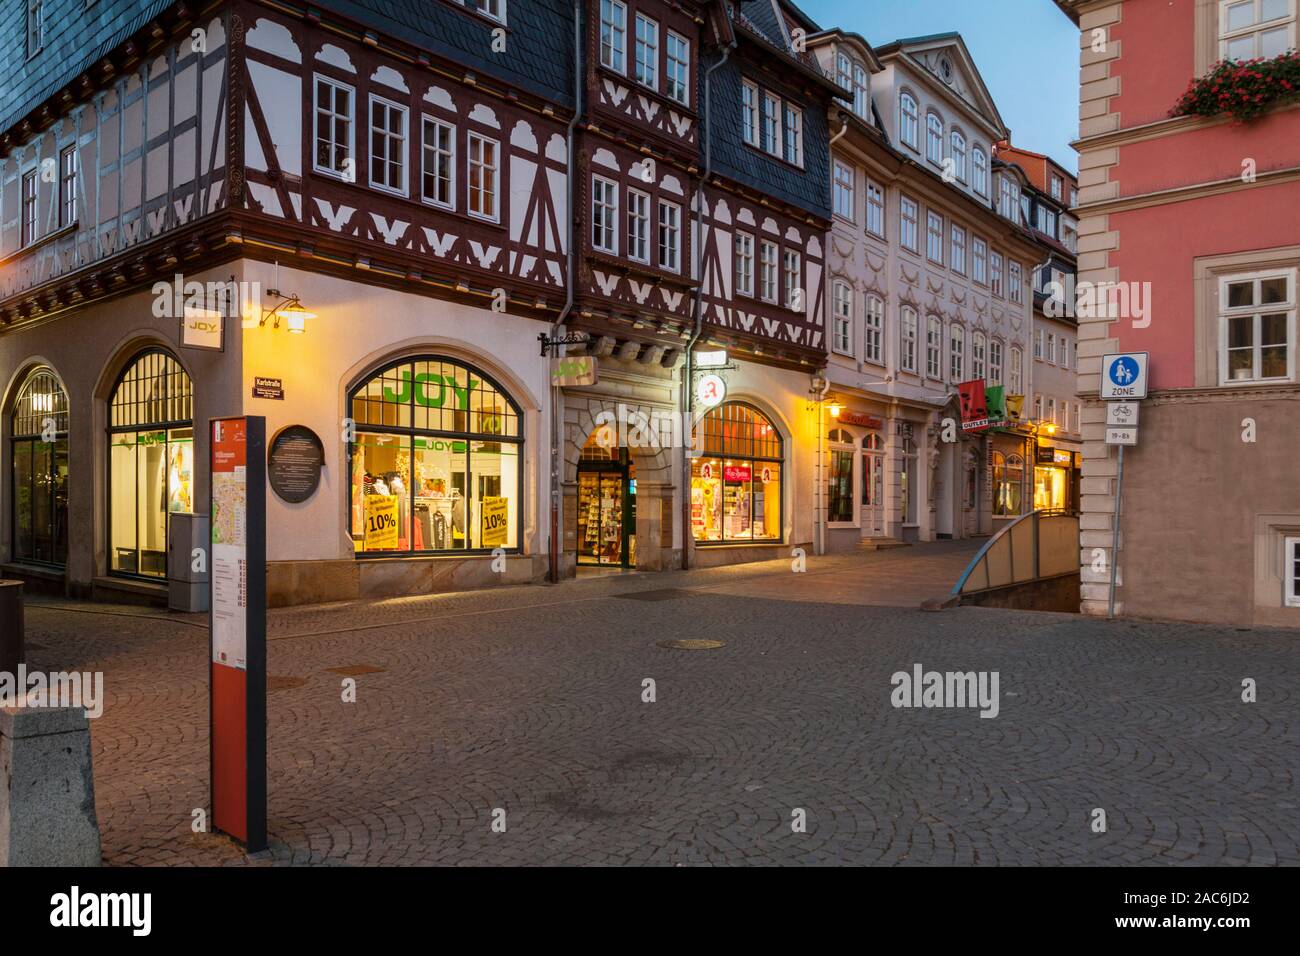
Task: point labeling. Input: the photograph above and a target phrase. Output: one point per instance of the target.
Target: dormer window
(35, 31)
(861, 92)
(1010, 199)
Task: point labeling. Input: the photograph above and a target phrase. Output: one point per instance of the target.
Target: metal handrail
(1006, 529)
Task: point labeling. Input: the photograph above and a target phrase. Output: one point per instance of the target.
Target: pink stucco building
(1194, 217)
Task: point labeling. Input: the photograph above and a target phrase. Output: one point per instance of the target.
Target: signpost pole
(1114, 542)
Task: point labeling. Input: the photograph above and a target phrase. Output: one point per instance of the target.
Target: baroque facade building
(928, 286)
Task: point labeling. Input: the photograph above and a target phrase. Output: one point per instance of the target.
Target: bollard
(11, 626)
(47, 788)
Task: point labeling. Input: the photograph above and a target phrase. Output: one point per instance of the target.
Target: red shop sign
(735, 473)
(857, 418)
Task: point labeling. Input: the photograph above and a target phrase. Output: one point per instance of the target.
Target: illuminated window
(436, 463)
(39, 451)
(736, 484)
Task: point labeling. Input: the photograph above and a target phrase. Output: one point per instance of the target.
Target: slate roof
(539, 40)
(76, 36)
(538, 57)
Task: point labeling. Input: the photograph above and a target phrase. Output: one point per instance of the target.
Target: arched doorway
(606, 515)
(151, 461)
(39, 447)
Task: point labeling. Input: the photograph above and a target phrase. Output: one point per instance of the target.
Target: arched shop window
(151, 461)
(40, 479)
(436, 465)
(736, 484)
(839, 485)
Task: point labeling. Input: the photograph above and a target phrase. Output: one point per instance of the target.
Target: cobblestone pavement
(530, 700)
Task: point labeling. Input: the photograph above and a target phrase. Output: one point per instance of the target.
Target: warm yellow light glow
(835, 408)
(1050, 428)
(296, 317)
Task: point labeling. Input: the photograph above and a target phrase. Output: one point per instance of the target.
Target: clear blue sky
(1027, 51)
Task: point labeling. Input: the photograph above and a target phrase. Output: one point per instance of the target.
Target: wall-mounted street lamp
(290, 309)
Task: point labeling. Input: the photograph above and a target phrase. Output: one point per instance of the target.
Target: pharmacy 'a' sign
(1124, 376)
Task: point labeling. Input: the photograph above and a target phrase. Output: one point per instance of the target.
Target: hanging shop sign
(716, 359)
(294, 463)
(203, 329)
(1124, 376)
(1043, 455)
(571, 370)
(381, 522)
(495, 521)
(272, 388)
(1015, 406)
(974, 409)
(237, 629)
(710, 391)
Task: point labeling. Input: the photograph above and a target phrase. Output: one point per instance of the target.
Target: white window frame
(957, 147)
(792, 151)
(956, 353)
(979, 258)
(670, 236)
(1015, 282)
(745, 264)
(604, 214)
(995, 272)
(861, 92)
(650, 78)
(873, 330)
(844, 182)
(751, 117)
(1050, 355)
(404, 141)
(995, 361)
(909, 120)
(875, 209)
(980, 174)
(616, 57)
(1290, 578)
(842, 317)
(978, 353)
(934, 348)
(494, 168)
(909, 330)
(792, 274)
(769, 274)
(492, 9)
(957, 255)
(35, 26)
(773, 137)
(909, 213)
(934, 237)
(638, 225)
(934, 137)
(1255, 29)
(447, 156)
(678, 69)
(69, 173)
(29, 205)
(1256, 312)
(1017, 377)
(351, 119)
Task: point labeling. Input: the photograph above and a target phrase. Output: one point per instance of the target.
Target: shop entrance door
(873, 486)
(607, 513)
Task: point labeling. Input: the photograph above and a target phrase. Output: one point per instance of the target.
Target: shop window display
(1051, 488)
(39, 442)
(436, 463)
(736, 483)
(1008, 479)
(151, 462)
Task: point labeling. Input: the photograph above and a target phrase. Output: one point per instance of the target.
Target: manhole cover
(666, 594)
(691, 644)
(280, 682)
(356, 670)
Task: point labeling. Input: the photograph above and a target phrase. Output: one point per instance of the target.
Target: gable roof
(769, 22)
(914, 51)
